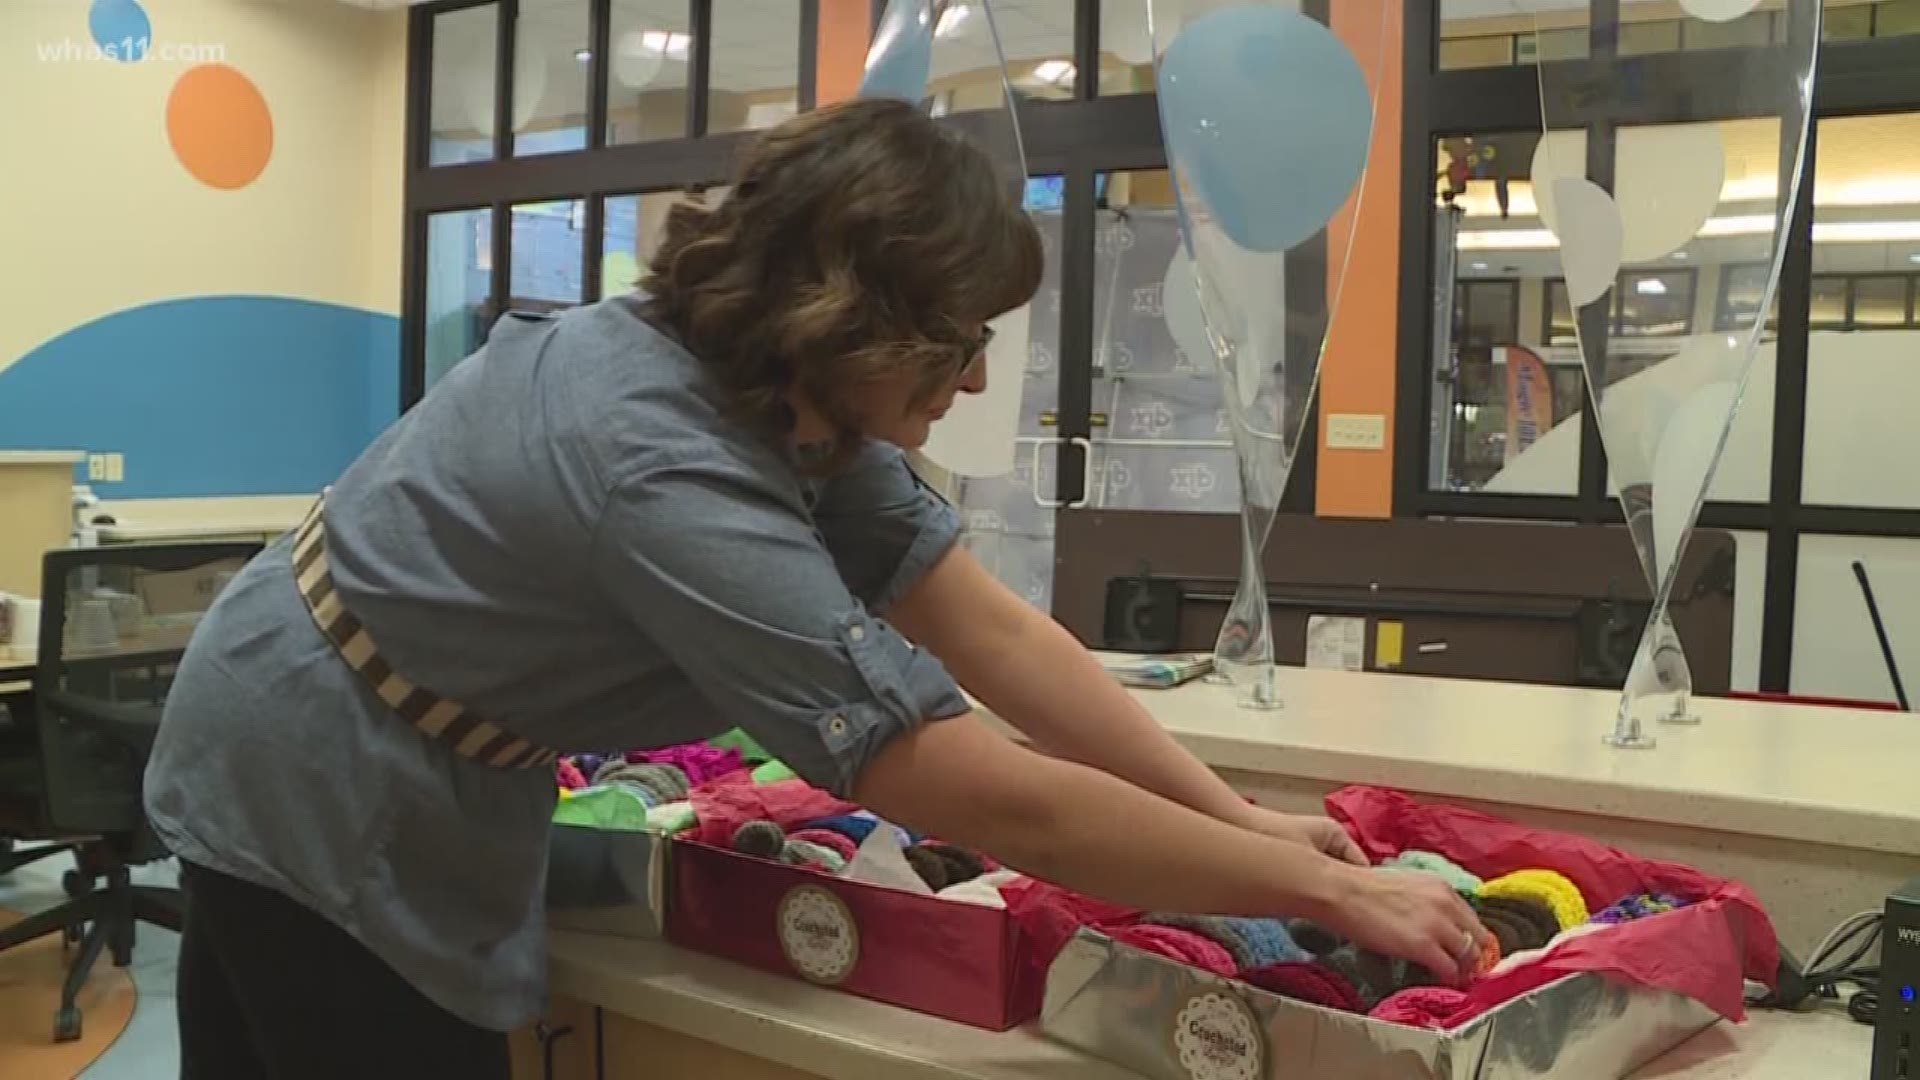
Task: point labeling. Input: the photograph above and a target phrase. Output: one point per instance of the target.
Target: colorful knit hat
(827, 838)
(1638, 907)
(797, 852)
(1547, 888)
(1307, 981)
(763, 839)
(1253, 942)
(1183, 946)
(1421, 1006)
(1518, 924)
(1427, 862)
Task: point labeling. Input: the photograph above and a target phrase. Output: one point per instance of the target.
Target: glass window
(548, 255)
(465, 44)
(1007, 527)
(1474, 33)
(650, 45)
(1165, 443)
(1739, 303)
(1847, 20)
(1750, 31)
(1861, 385)
(1892, 18)
(1506, 384)
(1655, 304)
(631, 229)
(1126, 49)
(1880, 302)
(459, 287)
(1835, 650)
(1827, 307)
(550, 83)
(1653, 36)
(1037, 36)
(1487, 312)
(755, 64)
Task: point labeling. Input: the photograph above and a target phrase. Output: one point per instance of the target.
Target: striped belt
(446, 721)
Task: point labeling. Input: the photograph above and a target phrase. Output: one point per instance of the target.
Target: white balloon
(1718, 10)
(1591, 236)
(1180, 306)
(1667, 181)
(977, 437)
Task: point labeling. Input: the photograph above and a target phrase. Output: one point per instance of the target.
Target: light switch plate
(116, 468)
(96, 466)
(1356, 431)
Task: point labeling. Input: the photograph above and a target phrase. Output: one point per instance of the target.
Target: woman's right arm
(1091, 832)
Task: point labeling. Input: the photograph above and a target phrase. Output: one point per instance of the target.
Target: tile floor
(150, 1047)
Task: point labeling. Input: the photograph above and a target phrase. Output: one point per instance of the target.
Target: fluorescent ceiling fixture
(1650, 287)
(950, 20)
(1913, 258)
(1824, 232)
(1053, 71)
(1479, 266)
(1478, 200)
(671, 44)
(1679, 255)
(583, 55)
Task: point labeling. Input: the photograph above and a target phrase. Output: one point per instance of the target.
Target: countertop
(187, 519)
(1834, 776)
(846, 1038)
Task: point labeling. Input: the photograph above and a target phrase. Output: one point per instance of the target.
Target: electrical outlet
(96, 466)
(116, 468)
(1356, 431)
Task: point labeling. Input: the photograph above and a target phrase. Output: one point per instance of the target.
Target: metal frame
(1854, 78)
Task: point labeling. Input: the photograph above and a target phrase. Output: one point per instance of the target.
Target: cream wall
(98, 215)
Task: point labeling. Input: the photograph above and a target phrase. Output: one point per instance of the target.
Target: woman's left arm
(1034, 675)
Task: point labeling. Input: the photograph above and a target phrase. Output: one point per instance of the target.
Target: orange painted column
(1357, 374)
(841, 51)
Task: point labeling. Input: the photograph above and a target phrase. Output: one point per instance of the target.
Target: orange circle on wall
(220, 126)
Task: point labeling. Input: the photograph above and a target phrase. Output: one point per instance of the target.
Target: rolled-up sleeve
(884, 528)
(720, 565)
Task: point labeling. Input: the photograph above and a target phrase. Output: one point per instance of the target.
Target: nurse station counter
(1816, 808)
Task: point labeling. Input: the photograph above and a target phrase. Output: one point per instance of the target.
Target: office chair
(114, 622)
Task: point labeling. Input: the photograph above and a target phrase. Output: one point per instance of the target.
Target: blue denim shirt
(570, 537)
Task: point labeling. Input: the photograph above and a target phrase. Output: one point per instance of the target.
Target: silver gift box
(1167, 1021)
(607, 881)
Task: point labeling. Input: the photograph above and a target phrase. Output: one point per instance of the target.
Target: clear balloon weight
(946, 56)
(1268, 120)
(1646, 194)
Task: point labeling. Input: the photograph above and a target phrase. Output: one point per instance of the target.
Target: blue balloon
(900, 64)
(121, 29)
(1267, 118)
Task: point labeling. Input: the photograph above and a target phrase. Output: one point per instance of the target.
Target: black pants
(271, 991)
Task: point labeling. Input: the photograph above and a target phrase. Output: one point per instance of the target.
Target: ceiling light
(950, 20)
(1652, 286)
(667, 43)
(583, 55)
(1479, 266)
(1680, 256)
(1914, 258)
(1053, 71)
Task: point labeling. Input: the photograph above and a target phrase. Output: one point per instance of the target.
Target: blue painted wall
(208, 396)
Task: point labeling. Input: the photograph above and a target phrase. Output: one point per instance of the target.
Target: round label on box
(1217, 1037)
(818, 935)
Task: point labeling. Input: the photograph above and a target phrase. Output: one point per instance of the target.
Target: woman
(639, 524)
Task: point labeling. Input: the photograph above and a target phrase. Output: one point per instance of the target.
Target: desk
(665, 1012)
(17, 665)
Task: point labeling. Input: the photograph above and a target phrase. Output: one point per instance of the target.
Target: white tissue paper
(983, 890)
(882, 861)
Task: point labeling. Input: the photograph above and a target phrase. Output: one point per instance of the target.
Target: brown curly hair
(857, 243)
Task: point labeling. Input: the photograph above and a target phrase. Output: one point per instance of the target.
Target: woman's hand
(1413, 916)
(1318, 833)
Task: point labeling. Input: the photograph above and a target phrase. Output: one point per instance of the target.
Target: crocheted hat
(1548, 888)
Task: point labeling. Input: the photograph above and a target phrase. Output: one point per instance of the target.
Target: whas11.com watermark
(128, 49)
